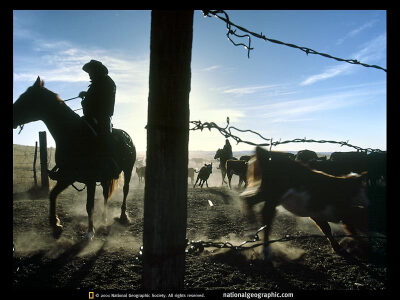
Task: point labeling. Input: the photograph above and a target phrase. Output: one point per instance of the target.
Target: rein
(22, 126)
(71, 99)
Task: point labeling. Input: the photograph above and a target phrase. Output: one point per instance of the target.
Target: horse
(79, 156)
(223, 157)
(306, 193)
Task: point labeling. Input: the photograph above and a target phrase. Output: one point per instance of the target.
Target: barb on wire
(230, 32)
(227, 133)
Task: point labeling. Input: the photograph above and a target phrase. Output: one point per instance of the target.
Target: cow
(306, 155)
(306, 193)
(141, 173)
(191, 174)
(237, 167)
(376, 167)
(204, 174)
(245, 157)
(277, 155)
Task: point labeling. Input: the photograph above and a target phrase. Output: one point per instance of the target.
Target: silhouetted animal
(223, 157)
(306, 193)
(278, 155)
(75, 157)
(245, 157)
(141, 173)
(306, 155)
(204, 174)
(191, 174)
(237, 167)
(376, 167)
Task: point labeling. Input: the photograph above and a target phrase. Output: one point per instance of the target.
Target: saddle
(97, 160)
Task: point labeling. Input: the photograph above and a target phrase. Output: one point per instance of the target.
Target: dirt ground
(110, 261)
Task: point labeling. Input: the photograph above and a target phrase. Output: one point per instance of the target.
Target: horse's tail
(113, 186)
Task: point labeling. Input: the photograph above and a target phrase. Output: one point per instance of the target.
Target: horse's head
(218, 154)
(29, 106)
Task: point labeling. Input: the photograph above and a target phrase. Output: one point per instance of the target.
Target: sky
(279, 92)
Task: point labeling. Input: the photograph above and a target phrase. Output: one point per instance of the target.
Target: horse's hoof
(89, 236)
(124, 220)
(57, 231)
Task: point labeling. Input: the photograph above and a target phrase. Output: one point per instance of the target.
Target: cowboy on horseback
(228, 149)
(98, 102)
(98, 107)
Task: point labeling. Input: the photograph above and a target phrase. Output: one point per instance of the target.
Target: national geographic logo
(91, 295)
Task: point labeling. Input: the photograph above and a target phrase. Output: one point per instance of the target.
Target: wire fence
(227, 133)
(23, 166)
(248, 34)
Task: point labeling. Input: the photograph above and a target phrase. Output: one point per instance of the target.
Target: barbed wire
(230, 32)
(226, 132)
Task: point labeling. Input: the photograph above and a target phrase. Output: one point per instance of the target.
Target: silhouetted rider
(228, 149)
(98, 107)
(98, 102)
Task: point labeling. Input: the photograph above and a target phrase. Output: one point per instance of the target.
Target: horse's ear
(38, 82)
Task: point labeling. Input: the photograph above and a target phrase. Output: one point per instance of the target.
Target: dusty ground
(110, 260)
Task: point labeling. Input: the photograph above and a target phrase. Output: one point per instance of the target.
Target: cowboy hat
(95, 66)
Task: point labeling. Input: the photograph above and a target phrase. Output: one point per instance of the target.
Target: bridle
(22, 125)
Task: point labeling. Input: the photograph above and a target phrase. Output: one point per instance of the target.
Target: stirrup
(54, 174)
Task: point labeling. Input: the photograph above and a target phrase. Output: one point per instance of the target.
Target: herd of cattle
(338, 164)
(326, 190)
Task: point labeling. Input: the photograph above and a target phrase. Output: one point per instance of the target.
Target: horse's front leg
(53, 218)
(106, 186)
(124, 218)
(91, 188)
(268, 215)
(223, 174)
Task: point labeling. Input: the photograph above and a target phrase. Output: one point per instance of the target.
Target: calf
(141, 173)
(306, 193)
(204, 173)
(237, 167)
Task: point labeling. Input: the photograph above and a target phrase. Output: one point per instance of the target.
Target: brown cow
(306, 193)
(237, 167)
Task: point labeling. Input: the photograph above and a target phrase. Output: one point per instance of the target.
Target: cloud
(328, 73)
(373, 50)
(211, 68)
(356, 31)
(248, 90)
(308, 108)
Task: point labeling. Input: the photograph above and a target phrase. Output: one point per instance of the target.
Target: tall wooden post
(34, 166)
(43, 160)
(165, 203)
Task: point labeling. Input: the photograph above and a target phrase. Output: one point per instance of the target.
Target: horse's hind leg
(53, 218)
(124, 219)
(326, 229)
(91, 188)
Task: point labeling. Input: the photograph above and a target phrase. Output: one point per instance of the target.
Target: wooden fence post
(34, 166)
(165, 200)
(43, 160)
